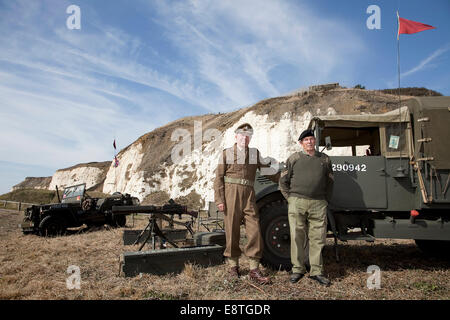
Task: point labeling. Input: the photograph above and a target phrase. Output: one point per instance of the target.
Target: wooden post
(20, 205)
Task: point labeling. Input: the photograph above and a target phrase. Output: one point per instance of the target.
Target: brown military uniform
(233, 187)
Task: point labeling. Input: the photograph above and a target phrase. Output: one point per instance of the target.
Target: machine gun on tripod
(166, 213)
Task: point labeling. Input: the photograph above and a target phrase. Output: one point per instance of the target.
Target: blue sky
(137, 65)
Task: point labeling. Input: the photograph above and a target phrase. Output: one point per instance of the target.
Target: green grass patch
(426, 286)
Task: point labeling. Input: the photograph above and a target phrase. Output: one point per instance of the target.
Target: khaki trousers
(307, 220)
(240, 204)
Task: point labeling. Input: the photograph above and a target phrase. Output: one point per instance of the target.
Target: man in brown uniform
(235, 196)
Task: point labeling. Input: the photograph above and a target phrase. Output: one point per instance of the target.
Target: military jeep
(75, 209)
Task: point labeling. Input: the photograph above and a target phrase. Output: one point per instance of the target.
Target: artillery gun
(207, 249)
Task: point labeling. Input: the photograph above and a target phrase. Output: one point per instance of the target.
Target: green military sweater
(306, 176)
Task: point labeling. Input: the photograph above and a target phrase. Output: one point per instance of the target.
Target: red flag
(409, 26)
(114, 144)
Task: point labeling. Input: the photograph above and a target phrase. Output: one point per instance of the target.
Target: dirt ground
(33, 267)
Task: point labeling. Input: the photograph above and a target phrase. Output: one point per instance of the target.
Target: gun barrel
(171, 209)
(134, 209)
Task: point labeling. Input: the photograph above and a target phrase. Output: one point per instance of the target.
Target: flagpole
(408, 27)
(115, 165)
(400, 170)
(398, 54)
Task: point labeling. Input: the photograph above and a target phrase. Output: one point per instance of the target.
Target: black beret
(306, 133)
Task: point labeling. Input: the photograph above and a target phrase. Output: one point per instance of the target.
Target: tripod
(155, 231)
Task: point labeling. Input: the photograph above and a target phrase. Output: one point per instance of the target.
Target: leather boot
(257, 276)
(321, 279)
(295, 277)
(234, 272)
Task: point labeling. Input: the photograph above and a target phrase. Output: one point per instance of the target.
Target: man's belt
(244, 182)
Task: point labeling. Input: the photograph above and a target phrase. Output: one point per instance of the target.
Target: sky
(132, 66)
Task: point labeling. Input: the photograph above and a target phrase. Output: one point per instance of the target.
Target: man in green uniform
(235, 196)
(307, 184)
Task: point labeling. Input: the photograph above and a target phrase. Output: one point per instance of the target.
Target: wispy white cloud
(427, 61)
(65, 95)
(237, 45)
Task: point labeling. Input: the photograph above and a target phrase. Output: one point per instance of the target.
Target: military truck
(75, 209)
(391, 179)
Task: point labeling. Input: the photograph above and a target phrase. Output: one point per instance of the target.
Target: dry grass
(32, 267)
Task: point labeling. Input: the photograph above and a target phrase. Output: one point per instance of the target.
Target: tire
(437, 248)
(274, 222)
(52, 226)
(275, 233)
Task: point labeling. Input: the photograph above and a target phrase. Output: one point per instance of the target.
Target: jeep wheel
(276, 235)
(52, 226)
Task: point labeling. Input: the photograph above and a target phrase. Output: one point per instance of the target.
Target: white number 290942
(348, 167)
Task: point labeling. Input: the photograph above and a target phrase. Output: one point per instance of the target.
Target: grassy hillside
(30, 196)
(40, 196)
(413, 91)
(34, 183)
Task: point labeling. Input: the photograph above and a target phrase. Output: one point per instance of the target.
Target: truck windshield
(352, 141)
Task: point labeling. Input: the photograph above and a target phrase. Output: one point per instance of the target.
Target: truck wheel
(51, 226)
(276, 235)
(438, 248)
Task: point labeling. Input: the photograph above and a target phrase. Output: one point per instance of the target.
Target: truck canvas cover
(432, 122)
(362, 120)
